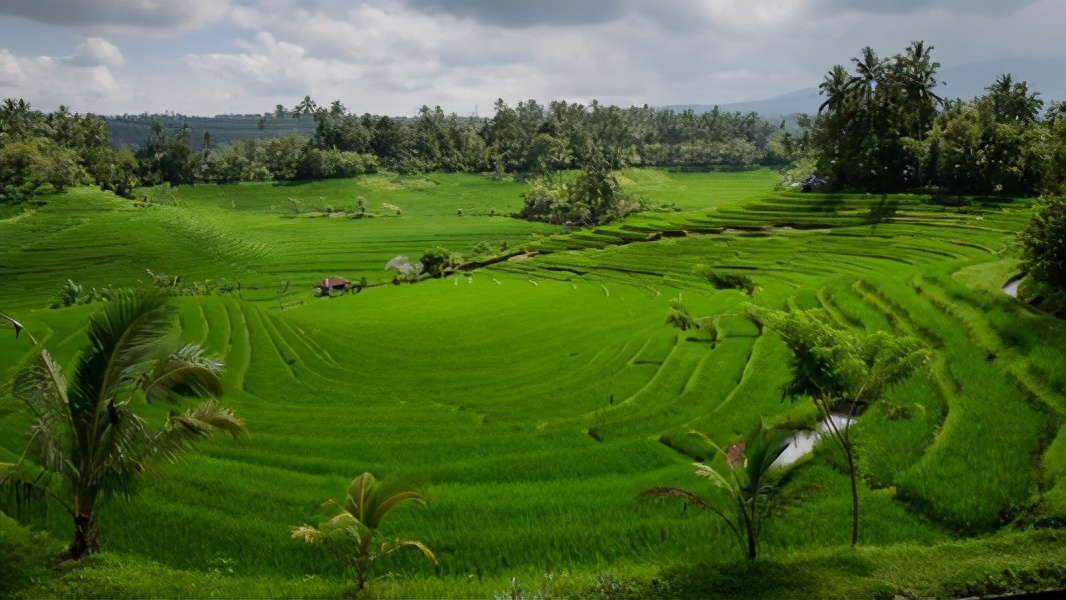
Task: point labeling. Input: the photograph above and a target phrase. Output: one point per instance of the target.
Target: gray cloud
(391, 56)
(136, 13)
(984, 7)
(569, 13)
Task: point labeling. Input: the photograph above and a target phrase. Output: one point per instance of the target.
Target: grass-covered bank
(1008, 563)
(534, 399)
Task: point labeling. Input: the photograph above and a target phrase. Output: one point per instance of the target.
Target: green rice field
(535, 397)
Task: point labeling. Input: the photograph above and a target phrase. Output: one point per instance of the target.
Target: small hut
(330, 284)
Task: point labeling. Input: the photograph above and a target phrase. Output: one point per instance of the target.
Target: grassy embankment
(496, 390)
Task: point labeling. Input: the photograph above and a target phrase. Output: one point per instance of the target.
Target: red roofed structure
(332, 283)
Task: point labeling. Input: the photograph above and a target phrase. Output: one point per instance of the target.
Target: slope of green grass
(536, 398)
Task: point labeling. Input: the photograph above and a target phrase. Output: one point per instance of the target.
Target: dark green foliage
(73, 293)
(36, 165)
(1044, 246)
(727, 281)
(166, 157)
(679, 316)
(594, 197)
(882, 129)
(439, 261)
(41, 153)
(835, 367)
(843, 366)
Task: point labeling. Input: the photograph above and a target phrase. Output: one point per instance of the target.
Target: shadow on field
(766, 579)
(829, 203)
(882, 212)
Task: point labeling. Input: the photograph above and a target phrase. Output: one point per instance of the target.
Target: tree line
(883, 128)
(51, 151)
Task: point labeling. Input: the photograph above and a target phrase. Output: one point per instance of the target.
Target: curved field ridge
(534, 414)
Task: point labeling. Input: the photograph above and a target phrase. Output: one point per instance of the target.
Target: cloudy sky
(209, 57)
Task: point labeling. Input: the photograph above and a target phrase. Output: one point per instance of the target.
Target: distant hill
(132, 130)
(1046, 76)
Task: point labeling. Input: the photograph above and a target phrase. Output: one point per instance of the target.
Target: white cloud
(97, 51)
(48, 82)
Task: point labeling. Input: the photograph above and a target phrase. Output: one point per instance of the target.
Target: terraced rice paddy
(535, 398)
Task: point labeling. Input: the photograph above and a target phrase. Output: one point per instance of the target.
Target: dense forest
(883, 128)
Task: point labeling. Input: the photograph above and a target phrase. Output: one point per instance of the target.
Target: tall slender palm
(86, 443)
(750, 485)
(307, 106)
(279, 114)
(1012, 101)
(869, 70)
(835, 88)
(919, 77)
(349, 535)
(918, 71)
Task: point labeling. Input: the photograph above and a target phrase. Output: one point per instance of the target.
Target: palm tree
(750, 486)
(1012, 102)
(349, 535)
(307, 106)
(86, 443)
(835, 88)
(279, 114)
(919, 80)
(869, 70)
(918, 73)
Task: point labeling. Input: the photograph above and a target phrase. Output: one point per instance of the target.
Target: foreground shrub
(749, 486)
(726, 281)
(1044, 244)
(439, 261)
(349, 535)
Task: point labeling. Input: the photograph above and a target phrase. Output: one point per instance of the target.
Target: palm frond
(210, 416)
(342, 517)
(390, 546)
(387, 504)
(667, 492)
(125, 334)
(716, 478)
(764, 447)
(43, 389)
(360, 498)
(123, 446)
(201, 422)
(18, 327)
(25, 488)
(185, 372)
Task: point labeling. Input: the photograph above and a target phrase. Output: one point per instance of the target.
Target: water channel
(803, 442)
(1011, 289)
